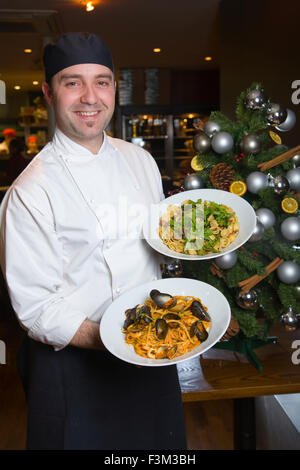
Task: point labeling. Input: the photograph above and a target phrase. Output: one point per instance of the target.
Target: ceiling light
(208, 58)
(17, 87)
(35, 82)
(89, 6)
(156, 49)
(28, 51)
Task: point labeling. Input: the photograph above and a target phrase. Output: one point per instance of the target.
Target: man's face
(83, 98)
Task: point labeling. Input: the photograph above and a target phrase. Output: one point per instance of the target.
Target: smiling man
(83, 98)
(63, 266)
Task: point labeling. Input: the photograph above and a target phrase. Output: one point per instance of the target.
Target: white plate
(243, 210)
(112, 321)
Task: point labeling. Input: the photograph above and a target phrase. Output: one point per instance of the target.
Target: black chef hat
(73, 49)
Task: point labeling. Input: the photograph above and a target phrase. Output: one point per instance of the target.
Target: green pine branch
(287, 296)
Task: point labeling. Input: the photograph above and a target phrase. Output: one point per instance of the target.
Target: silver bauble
(293, 177)
(227, 261)
(276, 114)
(289, 123)
(211, 127)
(258, 232)
(289, 319)
(256, 99)
(201, 142)
(247, 300)
(266, 217)
(288, 272)
(222, 142)
(256, 181)
(174, 268)
(250, 144)
(290, 228)
(193, 181)
(296, 160)
(281, 184)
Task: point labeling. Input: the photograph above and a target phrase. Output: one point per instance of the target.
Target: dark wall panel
(195, 87)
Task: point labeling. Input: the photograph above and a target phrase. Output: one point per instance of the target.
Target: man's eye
(71, 84)
(103, 84)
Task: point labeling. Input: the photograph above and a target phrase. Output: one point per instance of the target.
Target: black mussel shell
(144, 313)
(161, 328)
(199, 311)
(170, 317)
(160, 299)
(130, 317)
(198, 329)
(127, 323)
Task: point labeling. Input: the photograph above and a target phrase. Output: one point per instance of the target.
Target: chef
(70, 245)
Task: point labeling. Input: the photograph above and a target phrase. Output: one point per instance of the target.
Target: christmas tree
(246, 157)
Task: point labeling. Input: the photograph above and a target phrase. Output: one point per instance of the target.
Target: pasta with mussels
(170, 331)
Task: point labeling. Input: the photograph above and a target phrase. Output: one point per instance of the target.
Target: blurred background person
(16, 163)
(32, 146)
(8, 134)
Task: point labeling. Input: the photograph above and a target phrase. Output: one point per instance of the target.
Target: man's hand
(232, 330)
(87, 336)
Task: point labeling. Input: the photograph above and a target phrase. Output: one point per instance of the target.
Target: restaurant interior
(176, 63)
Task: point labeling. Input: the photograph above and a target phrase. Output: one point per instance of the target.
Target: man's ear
(48, 93)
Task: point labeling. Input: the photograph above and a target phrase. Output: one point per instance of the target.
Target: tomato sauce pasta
(169, 332)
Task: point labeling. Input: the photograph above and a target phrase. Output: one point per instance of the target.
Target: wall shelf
(134, 122)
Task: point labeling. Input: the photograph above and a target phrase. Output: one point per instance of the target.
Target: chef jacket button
(118, 290)
(154, 279)
(108, 245)
(137, 187)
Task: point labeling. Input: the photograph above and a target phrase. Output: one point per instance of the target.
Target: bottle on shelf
(150, 126)
(164, 127)
(156, 126)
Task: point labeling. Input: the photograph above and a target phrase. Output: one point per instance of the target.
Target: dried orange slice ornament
(275, 137)
(195, 165)
(238, 187)
(289, 205)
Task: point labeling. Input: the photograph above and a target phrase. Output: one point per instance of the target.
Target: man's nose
(89, 95)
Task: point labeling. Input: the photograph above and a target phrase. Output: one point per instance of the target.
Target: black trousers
(84, 399)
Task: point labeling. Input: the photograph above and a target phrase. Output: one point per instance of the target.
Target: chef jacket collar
(67, 146)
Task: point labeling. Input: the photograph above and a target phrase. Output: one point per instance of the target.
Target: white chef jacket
(61, 257)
